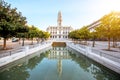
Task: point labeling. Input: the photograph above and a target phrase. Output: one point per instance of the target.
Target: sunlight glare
(113, 5)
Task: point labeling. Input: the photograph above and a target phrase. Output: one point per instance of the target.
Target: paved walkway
(99, 45)
(102, 46)
(14, 47)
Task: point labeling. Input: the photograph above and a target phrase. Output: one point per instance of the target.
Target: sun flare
(113, 5)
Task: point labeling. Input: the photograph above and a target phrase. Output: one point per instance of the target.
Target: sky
(75, 13)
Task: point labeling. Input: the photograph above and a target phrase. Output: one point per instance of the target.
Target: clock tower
(59, 20)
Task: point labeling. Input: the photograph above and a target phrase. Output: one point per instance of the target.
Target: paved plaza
(102, 46)
(99, 45)
(13, 47)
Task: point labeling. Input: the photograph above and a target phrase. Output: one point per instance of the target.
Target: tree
(22, 28)
(85, 33)
(80, 34)
(93, 36)
(22, 31)
(109, 27)
(33, 31)
(115, 27)
(9, 20)
(46, 35)
(74, 34)
(39, 35)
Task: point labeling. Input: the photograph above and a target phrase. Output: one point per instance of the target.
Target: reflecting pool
(58, 63)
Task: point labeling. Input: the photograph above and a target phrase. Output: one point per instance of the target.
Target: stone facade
(93, 25)
(59, 31)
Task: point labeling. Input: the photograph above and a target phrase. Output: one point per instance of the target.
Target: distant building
(59, 31)
(93, 25)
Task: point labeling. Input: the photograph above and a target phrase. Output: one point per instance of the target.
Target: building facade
(93, 25)
(59, 31)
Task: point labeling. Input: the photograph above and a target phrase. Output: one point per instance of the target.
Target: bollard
(88, 50)
(10, 53)
(101, 54)
(39, 45)
(26, 49)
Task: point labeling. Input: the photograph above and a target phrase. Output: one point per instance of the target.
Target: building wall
(59, 32)
(93, 25)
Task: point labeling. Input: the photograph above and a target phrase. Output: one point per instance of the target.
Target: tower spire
(59, 20)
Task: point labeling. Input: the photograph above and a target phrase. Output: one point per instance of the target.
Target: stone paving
(99, 45)
(102, 45)
(13, 47)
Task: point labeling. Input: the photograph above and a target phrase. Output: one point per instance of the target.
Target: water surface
(58, 63)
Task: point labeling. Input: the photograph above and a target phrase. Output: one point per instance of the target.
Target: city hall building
(59, 31)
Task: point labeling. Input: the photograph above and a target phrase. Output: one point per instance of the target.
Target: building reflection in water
(66, 62)
(59, 53)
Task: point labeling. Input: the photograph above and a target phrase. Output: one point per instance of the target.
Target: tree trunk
(37, 41)
(19, 41)
(108, 43)
(4, 44)
(93, 45)
(113, 43)
(32, 41)
(85, 42)
(23, 41)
